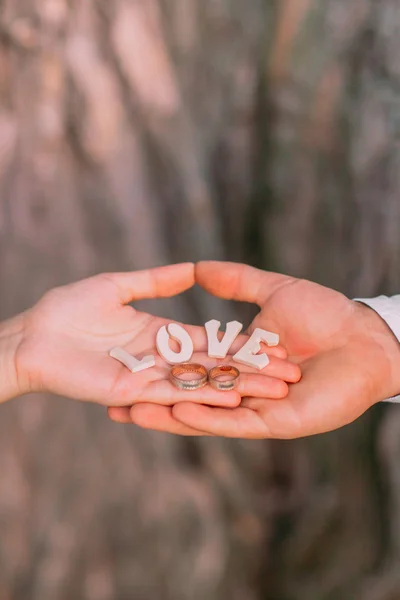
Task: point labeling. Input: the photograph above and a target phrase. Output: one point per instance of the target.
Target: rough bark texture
(139, 132)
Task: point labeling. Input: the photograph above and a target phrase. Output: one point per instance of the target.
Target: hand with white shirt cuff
(348, 355)
(389, 310)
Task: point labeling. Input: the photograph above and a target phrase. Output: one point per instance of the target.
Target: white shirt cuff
(389, 310)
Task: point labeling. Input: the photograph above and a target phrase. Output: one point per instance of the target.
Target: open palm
(69, 333)
(346, 352)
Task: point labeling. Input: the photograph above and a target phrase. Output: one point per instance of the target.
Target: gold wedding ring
(230, 374)
(188, 369)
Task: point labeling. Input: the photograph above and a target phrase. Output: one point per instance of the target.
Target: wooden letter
(132, 363)
(247, 355)
(180, 335)
(216, 348)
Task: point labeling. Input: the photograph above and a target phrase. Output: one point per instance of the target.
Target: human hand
(348, 356)
(65, 340)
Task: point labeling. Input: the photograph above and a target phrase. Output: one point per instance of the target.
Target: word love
(247, 355)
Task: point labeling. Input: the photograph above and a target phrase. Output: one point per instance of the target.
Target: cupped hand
(348, 356)
(67, 337)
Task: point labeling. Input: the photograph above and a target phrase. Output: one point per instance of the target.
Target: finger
(278, 351)
(160, 418)
(282, 369)
(160, 282)
(119, 414)
(163, 392)
(253, 384)
(240, 422)
(151, 416)
(254, 419)
(236, 281)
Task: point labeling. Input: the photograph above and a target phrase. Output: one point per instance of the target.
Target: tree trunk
(141, 132)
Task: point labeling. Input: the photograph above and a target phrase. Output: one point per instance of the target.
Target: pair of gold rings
(223, 378)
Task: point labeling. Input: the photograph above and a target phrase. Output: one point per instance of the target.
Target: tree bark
(140, 132)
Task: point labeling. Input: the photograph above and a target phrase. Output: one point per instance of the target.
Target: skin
(61, 345)
(348, 356)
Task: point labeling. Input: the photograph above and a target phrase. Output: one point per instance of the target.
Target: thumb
(161, 282)
(235, 281)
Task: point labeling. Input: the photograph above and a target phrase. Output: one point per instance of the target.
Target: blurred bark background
(139, 132)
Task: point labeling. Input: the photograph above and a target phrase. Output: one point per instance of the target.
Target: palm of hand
(322, 331)
(69, 333)
(72, 328)
(341, 347)
(309, 318)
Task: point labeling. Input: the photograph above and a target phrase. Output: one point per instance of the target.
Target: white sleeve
(389, 310)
